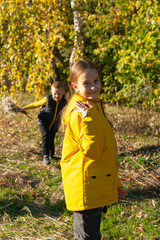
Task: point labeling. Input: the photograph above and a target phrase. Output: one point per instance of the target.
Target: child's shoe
(46, 160)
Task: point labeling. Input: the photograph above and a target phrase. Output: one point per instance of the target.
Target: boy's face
(57, 94)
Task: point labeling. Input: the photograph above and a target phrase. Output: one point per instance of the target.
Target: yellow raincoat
(89, 159)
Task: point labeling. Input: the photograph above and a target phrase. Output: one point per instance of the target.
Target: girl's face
(88, 84)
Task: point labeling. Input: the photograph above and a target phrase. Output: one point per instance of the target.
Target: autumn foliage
(37, 38)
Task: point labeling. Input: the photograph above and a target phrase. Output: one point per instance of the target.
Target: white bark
(78, 48)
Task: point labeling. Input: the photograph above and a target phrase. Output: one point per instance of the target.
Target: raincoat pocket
(99, 185)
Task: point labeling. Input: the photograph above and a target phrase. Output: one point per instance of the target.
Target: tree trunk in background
(55, 70)
(78, 49)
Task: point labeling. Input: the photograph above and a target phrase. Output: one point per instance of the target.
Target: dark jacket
(51, 113)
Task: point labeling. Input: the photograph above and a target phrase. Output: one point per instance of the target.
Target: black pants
(87, 224)
(47, 140)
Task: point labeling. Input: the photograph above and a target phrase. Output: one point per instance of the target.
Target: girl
(89, 156)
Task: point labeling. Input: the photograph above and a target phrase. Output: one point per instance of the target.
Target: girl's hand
(82, 108)
(122, 193)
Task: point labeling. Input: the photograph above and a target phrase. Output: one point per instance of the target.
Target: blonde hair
(75, 71)
(79, 67)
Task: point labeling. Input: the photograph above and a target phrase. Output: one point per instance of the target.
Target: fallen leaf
(139, 214)
(32, 193)
(133, 207)
(158, 178)
(141, 229)
(122, 213)
(153, 202)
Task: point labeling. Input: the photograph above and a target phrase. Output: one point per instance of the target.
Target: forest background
(38, 38)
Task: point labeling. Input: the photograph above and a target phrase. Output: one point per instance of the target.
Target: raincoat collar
(72, 104)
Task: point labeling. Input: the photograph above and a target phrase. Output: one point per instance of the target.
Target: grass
(32, 204)
(134, 221)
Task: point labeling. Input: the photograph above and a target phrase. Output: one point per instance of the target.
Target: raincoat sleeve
(89, 134)
(36, 104)
(90, 137)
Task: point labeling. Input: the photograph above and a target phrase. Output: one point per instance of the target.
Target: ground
(32, 202)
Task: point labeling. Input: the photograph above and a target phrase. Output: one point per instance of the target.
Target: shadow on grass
(35, 152)
(140, 195)
(152, 149)
(147, 193)
(16, 207)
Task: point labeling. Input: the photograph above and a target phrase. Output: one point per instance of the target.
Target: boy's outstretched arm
(34, 105)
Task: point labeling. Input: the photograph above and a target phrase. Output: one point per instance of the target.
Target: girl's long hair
(75, 71)
(79, 67)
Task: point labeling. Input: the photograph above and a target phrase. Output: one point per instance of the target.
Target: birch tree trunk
(78, 49)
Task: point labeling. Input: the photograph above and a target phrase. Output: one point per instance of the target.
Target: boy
(49, 118)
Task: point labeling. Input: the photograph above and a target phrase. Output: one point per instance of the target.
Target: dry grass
(32, 200)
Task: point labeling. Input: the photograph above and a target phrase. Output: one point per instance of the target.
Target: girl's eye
(85, 83)
(97, 80)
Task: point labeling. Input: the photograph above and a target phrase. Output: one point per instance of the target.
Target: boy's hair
(58, 85)
(79, 67)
